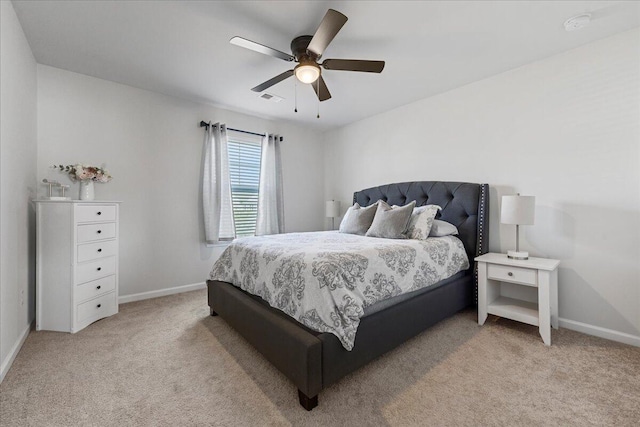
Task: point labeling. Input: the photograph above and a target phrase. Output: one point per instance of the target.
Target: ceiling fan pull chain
(318, 86)
(295, 95)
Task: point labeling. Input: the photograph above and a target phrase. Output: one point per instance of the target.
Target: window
(245, 153)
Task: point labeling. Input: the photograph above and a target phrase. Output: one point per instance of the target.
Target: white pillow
(442, 228)
(421, 221)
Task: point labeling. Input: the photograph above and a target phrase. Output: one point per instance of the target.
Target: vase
(86, 190)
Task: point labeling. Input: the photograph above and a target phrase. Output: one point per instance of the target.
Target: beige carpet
(166, 362)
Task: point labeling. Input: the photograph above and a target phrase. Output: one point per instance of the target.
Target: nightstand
(499, 278)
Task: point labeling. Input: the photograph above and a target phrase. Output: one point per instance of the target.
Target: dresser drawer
(96, 308)
(93, 213)
(90, 251)
(525, 276)
(93, 270)
(95, 288)
(91, 232)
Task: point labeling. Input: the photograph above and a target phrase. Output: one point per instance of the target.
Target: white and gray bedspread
(324, 280)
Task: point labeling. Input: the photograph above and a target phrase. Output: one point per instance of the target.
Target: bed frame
(314, 360)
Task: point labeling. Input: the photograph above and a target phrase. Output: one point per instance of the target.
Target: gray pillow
(391, 223)
(357, 220)
(442, 228)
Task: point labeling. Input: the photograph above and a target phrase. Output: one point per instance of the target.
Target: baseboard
(161, 292)
(597, 331)
(6, 364)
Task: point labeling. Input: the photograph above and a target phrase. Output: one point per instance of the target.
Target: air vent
(577, 22)
(270, 97)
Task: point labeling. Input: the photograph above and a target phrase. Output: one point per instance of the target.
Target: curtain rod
(204, 124)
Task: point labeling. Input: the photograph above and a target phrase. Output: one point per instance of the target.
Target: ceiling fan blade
(260, 48)
(271, 82)
(322, 91)
(329, 27)
(354, 65)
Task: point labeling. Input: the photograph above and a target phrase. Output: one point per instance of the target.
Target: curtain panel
(216, 187)
(270, 202)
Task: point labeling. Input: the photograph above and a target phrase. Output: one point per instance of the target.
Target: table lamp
(332, 210)
(518, 210)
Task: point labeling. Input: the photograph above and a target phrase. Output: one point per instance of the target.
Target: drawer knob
(100, 250)
(99, 268)
(510, 273)
(99, 305)
(99, 231)
(99, 213)
(98, 287)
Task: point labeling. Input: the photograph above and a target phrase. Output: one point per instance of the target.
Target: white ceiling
(181, 48)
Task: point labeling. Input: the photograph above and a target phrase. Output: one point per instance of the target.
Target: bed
(313, 360)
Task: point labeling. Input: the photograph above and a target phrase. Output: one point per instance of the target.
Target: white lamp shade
(518, 210)
(332, 208)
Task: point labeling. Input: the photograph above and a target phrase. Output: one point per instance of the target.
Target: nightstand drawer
(505, 273)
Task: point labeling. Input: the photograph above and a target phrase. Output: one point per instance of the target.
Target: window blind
(244, 174)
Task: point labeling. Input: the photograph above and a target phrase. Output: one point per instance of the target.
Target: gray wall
(152, 145)
(565, 129)
(17, 184)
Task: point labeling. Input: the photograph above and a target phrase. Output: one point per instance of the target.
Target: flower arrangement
(85, 173)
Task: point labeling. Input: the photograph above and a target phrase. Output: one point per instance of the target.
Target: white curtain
(270, 203)
(216, 187)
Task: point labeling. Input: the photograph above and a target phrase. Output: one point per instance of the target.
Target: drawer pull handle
(99, 231)
(99, 268)
(98, 287)
(99, 250)
(510, 273)
(99, 305)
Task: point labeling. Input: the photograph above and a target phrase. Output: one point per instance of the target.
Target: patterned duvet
(324, 280)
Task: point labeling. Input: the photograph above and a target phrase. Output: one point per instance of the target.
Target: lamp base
(518, 255)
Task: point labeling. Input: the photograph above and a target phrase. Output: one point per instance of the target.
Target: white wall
(565, 129)
(17, 185)
(152, 145)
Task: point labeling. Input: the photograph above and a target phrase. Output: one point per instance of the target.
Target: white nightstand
(497, 275)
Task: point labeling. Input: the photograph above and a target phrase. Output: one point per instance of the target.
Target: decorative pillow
(357, 220)
(442, 228)
(391, 222)
(421, 221)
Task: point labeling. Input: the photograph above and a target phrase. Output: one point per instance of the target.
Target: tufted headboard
(463, 204)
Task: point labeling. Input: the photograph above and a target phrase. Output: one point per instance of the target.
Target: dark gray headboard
(463, 204)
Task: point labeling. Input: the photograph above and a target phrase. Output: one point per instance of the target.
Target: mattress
(386, 303)
(326, 280)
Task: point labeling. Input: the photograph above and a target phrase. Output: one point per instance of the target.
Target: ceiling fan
(307, 51)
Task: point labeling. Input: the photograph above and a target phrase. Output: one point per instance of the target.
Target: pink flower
(103, 177)
(85, 173)
(79, 172)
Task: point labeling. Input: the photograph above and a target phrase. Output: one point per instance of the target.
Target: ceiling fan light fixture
(307, 72)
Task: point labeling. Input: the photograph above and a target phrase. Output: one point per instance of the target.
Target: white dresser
(76, 263)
